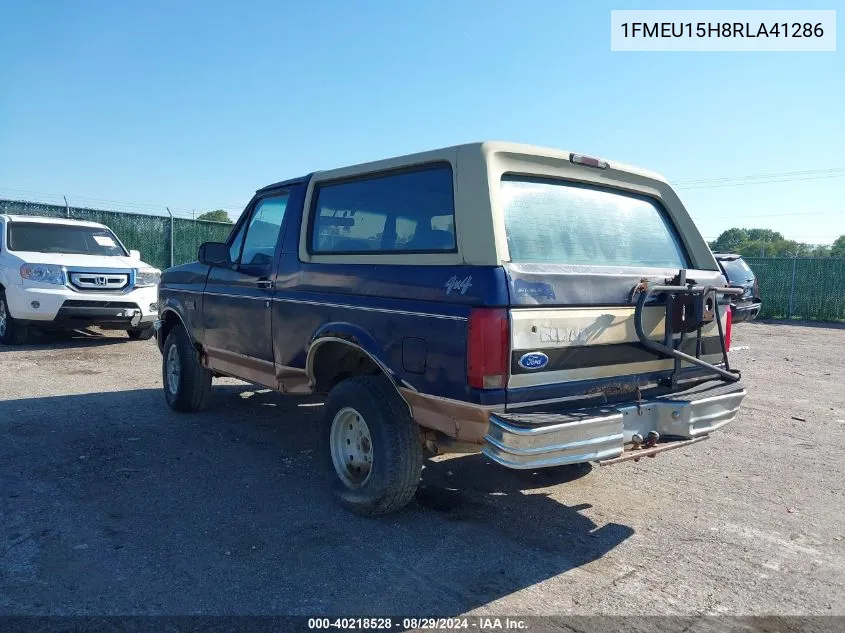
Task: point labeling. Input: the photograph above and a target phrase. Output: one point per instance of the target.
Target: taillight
(488, 348)
(728, 322)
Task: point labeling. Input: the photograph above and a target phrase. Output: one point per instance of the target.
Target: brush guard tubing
(645, 293)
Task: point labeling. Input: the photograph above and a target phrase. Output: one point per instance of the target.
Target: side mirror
(135, 254)
(214, 254)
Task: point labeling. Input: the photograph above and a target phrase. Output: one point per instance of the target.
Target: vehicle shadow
(115, 504)
(68, 339)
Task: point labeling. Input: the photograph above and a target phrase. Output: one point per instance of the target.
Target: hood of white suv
(86, 261)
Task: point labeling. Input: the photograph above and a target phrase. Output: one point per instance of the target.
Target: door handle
(264, 283)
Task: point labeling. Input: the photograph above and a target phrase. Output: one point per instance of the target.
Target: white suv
(68, 274)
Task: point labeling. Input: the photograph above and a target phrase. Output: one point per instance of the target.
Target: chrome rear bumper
(541, 440)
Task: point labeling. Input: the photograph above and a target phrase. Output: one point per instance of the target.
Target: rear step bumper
(539, 440)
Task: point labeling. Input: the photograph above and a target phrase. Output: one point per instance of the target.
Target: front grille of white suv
(99, 281)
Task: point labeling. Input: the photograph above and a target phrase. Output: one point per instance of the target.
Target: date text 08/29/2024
(420, 623)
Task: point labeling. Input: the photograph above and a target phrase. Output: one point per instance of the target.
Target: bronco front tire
(187, 384)
(372, 446)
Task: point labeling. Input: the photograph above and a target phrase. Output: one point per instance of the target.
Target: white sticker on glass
(104, 240)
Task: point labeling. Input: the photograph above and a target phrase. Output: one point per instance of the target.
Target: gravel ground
(112, 504)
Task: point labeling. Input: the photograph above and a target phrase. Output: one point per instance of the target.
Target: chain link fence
(805, 288)
(790, 288)
(162, 241)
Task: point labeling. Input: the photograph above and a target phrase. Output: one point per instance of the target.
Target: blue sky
(196, 104)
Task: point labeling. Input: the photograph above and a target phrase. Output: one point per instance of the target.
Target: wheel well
(334, 361)
(169, 320)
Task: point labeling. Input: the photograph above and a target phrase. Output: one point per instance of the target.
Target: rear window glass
(737, 270)
(568, 223)
(40, 237)
(409, 211)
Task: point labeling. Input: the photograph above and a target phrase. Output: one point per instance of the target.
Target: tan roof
(492, 147)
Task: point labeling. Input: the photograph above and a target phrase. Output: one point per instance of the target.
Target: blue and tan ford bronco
(543, 307)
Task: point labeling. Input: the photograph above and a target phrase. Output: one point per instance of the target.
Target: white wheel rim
(173, 369)
(352, 447)
(2, 317)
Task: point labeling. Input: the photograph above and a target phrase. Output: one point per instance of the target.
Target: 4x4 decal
(454, 284)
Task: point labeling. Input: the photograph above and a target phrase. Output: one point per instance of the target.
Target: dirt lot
(112, 504)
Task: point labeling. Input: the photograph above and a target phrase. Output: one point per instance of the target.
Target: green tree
(790, 248)
(838, 247)
(730, 241)
(762, 242)
(218, 215)
(763, 235)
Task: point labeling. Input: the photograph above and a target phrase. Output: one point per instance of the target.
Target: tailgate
(588, 347)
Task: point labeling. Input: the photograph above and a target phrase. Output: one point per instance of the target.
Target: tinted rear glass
(737, 270)
(568, 223)
(410, 211)
(62, 238)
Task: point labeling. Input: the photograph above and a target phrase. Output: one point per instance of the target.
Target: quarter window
(408, 211)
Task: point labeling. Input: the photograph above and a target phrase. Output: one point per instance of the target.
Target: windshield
(40, 237)
(568, 223)
(736, 270)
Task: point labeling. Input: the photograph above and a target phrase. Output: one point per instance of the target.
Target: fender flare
(358, 339)
(171, 309)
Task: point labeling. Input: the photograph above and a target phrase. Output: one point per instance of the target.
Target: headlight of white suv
(146, 277)
(43, 273)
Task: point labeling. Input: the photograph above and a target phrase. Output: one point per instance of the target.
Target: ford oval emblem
(533, 360)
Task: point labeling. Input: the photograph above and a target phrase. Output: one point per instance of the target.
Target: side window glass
(262, 234)
(405, 230)
(235, 246)
(347, 231)
(408, 211)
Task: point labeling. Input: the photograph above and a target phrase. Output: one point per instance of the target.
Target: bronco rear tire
(372, 446)
(187, 384)
(11, 332)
